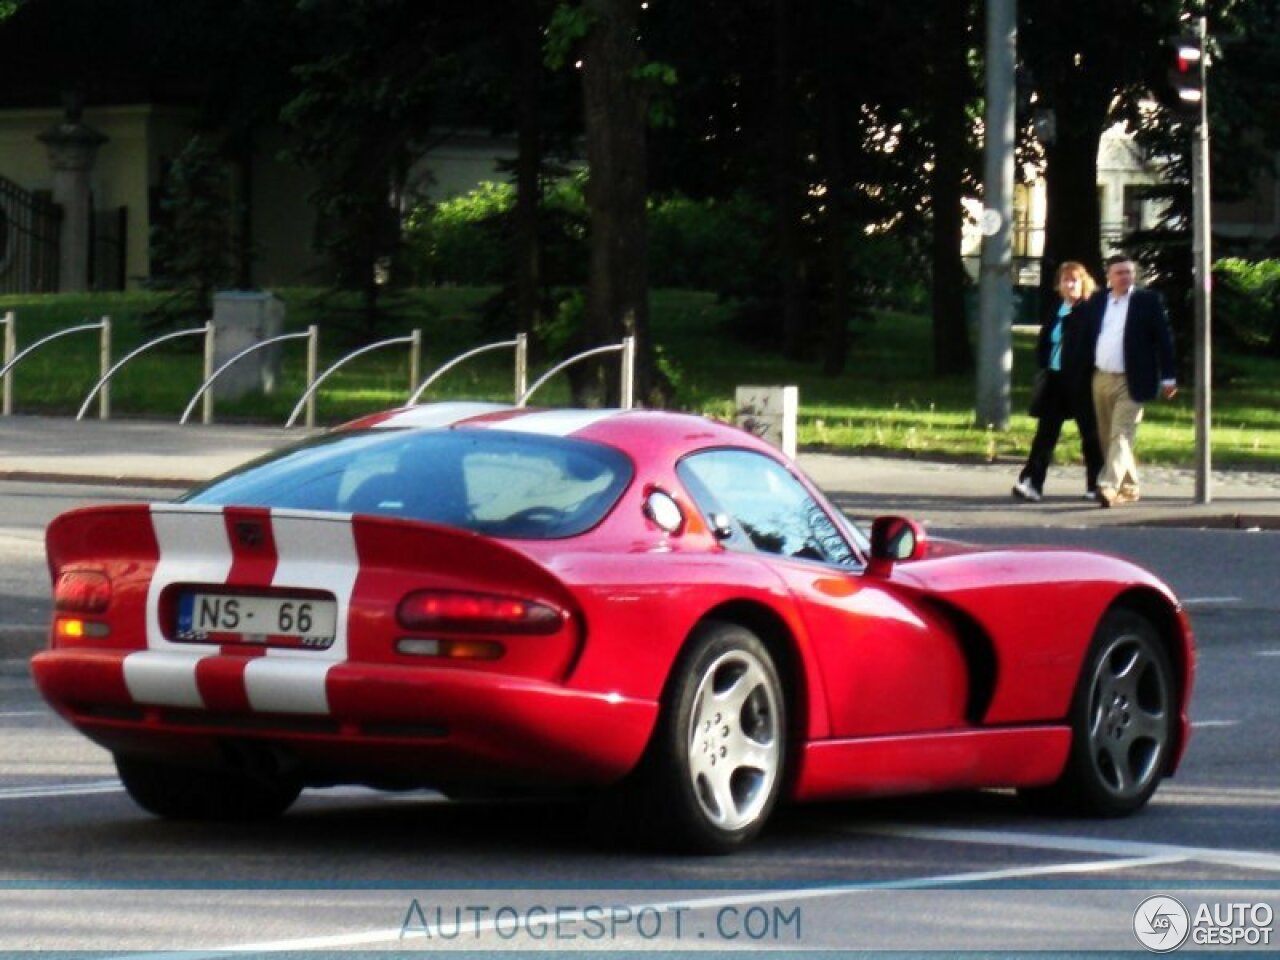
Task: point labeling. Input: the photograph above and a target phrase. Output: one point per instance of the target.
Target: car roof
(627, 429)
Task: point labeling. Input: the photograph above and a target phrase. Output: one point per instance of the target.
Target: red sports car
(466, 596)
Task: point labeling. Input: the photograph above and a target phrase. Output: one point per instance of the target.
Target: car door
(889, 662)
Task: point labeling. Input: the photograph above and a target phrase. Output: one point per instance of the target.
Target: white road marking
(1202, 724)
(10, 714)
(38, 791)
(1268, 653)
(1218, 795)
(393, 934)
(1207, 601)
(43, 791)
(1245, 859)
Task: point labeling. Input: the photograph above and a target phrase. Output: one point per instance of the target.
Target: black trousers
(1059, 405)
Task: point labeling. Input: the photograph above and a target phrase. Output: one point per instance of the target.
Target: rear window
(503, 484)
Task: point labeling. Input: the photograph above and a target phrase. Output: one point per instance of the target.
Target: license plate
(273, 621)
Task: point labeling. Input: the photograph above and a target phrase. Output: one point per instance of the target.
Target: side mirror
(721, 526)
(893, 540)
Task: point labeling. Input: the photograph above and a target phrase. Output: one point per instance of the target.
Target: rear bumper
(344, 721)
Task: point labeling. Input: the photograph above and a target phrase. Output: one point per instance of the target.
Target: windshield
(503, 484)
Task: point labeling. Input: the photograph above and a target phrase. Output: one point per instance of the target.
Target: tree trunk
(526, 250)
(952, 351)
(1073, 229)
(615, 113)
(787, 184)
(835, 312)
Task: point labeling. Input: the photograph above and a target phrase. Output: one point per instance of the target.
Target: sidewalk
(133, 452)
(152, 453)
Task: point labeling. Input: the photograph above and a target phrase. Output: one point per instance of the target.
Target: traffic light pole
(1203, 276)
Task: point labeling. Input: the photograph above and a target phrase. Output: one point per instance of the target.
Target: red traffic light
(1187, 78)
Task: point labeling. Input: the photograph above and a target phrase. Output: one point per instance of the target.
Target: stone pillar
(73, 148)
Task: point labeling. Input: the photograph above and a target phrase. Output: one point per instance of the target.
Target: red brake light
(476, 613)
(82, 591)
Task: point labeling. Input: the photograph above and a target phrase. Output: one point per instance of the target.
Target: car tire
(192, 793)
(1122, 719)
(715, 766)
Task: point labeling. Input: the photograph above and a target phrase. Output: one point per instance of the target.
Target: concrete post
(313, 364)
(104, 364)
(522, 365)
(415, 360)
(770, 412)
(73, 148)
(10, 351)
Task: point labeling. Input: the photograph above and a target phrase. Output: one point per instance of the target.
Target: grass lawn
(886, 401)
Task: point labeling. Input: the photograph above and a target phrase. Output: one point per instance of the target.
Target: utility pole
(995, 281)
(1190, 82)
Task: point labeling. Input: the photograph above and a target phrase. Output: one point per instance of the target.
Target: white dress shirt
(1109, 353)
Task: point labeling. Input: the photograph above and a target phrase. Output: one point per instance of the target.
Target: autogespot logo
(1161, 924)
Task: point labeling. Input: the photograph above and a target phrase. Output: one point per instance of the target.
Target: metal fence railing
(101, 390)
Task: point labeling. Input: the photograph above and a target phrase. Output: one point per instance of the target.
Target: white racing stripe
(440, 414)
(164, 678)
(194, 548)
(555, 423)
(317, 552)
(284, 685)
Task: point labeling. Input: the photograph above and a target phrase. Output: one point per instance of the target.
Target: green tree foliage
(1244, 122)
(805, 156)
(194, 244)
(1090, 63)
(1246, 302)
(802, 108)
(363, 111)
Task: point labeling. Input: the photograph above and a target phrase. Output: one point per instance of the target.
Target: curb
(1231, 521)
(97, 479)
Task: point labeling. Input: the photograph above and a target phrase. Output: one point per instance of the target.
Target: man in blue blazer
(1133, 361)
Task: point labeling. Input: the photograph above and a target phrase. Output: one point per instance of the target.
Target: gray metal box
(242, 318)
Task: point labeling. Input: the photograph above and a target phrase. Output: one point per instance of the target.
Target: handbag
(1039, 387)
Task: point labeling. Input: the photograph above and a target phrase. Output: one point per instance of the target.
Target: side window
(767, 504)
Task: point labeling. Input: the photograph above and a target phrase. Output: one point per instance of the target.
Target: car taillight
(82, 591)
(455, 610)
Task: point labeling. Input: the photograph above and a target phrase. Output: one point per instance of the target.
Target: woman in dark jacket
(1062, 351)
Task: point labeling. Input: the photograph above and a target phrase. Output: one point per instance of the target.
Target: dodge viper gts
(658, 606)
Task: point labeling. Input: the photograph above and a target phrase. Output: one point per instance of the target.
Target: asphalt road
(82, 868)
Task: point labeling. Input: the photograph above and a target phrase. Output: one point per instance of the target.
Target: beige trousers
(1118, 419)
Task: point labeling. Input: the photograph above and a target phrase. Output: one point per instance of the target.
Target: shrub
(704, 244)
(693, 244)
(1246, 301)
(461, 240)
